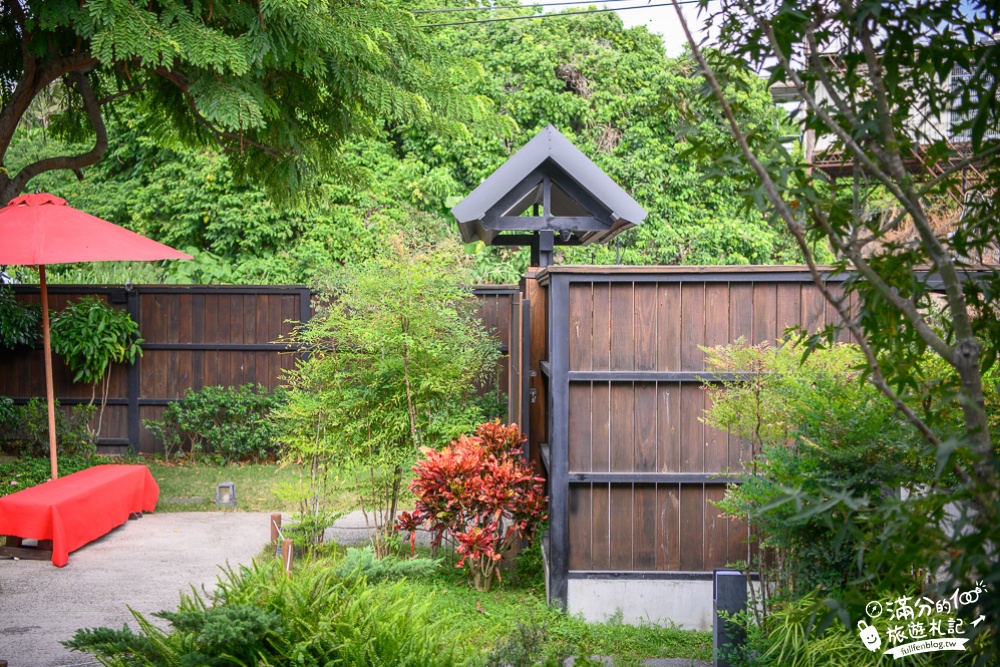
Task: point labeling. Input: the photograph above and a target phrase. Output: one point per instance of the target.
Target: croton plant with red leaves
(480, 492)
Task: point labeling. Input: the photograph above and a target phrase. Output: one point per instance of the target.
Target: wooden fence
(194, 336)
(633, 470)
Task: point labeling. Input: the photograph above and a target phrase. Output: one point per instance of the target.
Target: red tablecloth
(78, 508)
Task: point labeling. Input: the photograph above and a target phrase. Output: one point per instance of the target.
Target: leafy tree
(615, 94)
(610, 89)
(276, 87)
(395, 351)
(876, 81)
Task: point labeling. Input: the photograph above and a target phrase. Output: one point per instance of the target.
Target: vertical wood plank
(716, 442)
(668, 547)
(601, 510)
(692, 431)
(668, 327)
(692, 529)
(622, 331)
(601, 327)
(644, 538)
(622, 432)
(813, 305)
(197, 318)
(668, 419)
(717, 325)
(250, 336)
(716, 528)
(716, 314)
(645, 326)
(741, 311)
(738, 549)
(789, 307)
(645, 427)
(833, 317)
(601, 427)
(765, 312)
(692, 326)
(581, 327)
(580, 522)
(580, 411)
(621, 526)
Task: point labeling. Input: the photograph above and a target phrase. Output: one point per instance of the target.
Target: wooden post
(287, 555)
(49, 391)
(275, 528)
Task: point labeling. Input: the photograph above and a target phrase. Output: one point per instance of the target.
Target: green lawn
(484, 620)
(259, 487)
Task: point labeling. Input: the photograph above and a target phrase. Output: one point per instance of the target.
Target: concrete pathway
(144, 564)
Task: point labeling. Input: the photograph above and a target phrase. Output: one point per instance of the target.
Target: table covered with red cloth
(77, 509)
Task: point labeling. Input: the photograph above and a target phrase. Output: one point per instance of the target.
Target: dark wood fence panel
(637, 527)
(634, 471)
(495, 312)
(194, 336)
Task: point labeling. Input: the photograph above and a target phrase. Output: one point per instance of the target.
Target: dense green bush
(825, 448)
(25, 429)
(91, 335)
(25, 472)
(260, 616)
(231, 422)
(18, 321)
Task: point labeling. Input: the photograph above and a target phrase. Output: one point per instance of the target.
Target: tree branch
(120, 93)
(72, 162)
(180, 81)
(35, 78)
(798, 232)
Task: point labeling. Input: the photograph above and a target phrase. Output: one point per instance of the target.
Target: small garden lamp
(225, 494)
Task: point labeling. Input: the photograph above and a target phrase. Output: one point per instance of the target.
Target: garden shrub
(8, 413)
(231, 422)
(26, 431)
(18, 321)
(826, 448)
(360, 563)
(260, 616)
(25, 472)
(91, 335)
(481, 493)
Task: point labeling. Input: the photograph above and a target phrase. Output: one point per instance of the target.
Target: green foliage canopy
(277, 87)
(611, 90)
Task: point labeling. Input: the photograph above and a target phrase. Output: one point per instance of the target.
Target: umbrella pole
(49, 392)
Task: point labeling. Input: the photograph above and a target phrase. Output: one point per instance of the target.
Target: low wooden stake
(287, 555)
(275, 528)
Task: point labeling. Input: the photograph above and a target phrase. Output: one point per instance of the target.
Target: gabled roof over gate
(547, 186)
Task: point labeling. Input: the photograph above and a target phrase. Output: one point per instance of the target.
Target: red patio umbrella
(41, 229)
